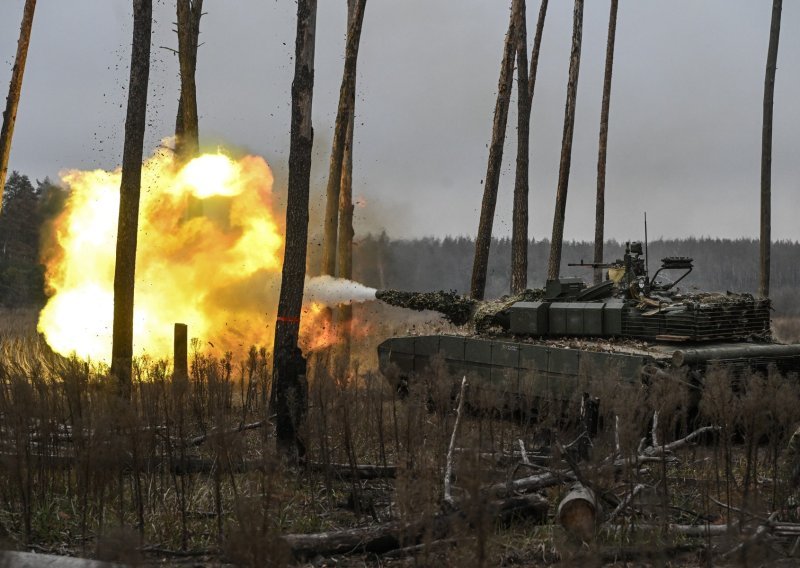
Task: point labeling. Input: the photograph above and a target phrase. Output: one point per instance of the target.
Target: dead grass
(83, 473)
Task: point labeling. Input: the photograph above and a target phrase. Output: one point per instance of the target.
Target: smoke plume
(331, 291)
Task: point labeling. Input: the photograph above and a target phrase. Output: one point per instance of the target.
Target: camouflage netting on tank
(719, 298)
(704, 316)
(486, 314)
(456, 309)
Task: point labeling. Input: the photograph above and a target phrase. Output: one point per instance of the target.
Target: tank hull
(510, 369)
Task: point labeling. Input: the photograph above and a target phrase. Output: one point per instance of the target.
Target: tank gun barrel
(455, 308)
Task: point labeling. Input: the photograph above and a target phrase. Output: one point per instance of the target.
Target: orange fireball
(209, 255)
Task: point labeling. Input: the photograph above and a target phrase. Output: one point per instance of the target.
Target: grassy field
(188, 473)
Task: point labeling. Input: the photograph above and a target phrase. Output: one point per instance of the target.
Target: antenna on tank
(646, 264)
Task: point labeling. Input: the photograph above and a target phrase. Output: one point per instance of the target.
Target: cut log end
(577, 513)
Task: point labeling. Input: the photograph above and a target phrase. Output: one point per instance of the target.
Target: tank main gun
(460, 310)
(455, 308)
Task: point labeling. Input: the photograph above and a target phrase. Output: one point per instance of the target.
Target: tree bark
(554, 265)
(187, 137)
(345, 245)
(766, 149)
(345, 110)
(525, 86)
(344, 251)
(519, 224)
(577, 512)
(14, 90)
(484, 238)
(345, 233)
(600, 205)
(537, 44)
(130, 188)
(289, 387)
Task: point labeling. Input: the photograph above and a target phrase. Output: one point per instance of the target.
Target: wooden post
(180, 352)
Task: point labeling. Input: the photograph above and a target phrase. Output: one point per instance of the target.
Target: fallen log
(658, 450)
(418, 548)
(704, 530)
(578, 512)
(757, 535)
(401, 534)
(530, 483)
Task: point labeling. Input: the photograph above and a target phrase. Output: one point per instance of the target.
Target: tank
(556, 341)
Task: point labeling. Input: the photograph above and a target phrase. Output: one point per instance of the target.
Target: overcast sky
(684, 136)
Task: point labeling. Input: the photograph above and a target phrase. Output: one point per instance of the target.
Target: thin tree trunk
(525, 84)
(187, 137)
(600, 206)
(519, 226)
(14, 90)
(537, 44)
(130, 188)
(766, 148)
(289, 387)
(339, 134)
(345, 245)
(554, 266)
(484, 238)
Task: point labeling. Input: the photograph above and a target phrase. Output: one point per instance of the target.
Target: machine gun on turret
(630, 273)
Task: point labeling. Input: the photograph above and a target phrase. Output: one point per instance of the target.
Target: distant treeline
(434, 264)
(26, 210)
(417, 264)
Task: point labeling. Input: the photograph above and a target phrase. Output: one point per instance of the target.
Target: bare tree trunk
(289, 387)
(554, 265)
(519, 224)
(484, 238)
(187, 134)
(130, 188)
(537, 44)
(766, 148)
(600, 206)
(345, 245)
(339, 134)
(14, 90)
(525, 87)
